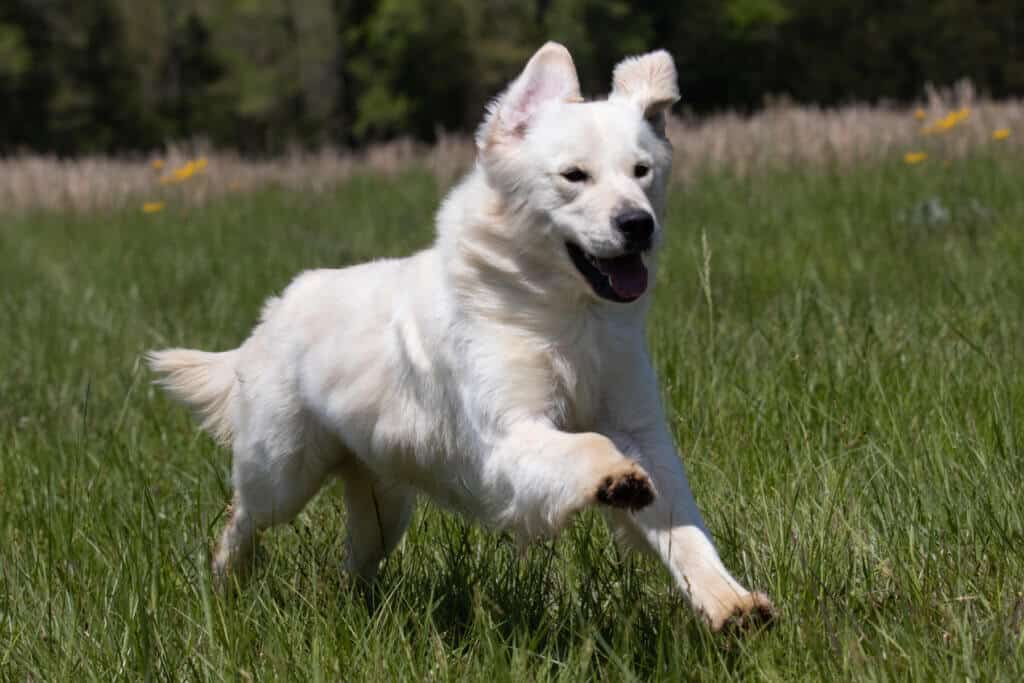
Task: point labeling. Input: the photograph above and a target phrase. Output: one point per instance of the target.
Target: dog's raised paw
(753, 613)
(631, 490)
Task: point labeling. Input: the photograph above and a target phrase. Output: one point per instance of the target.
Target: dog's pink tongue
(628, 275)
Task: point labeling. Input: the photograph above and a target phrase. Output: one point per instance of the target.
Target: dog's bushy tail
(204, 381)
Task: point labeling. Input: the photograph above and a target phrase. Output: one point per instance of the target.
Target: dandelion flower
(157, 164)
(152, 207)
(914, 157)
(185, 172)
(178, 175)
(919, 114)
(1001, 134)
(948, 122)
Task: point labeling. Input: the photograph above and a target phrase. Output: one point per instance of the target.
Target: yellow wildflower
(947, 122)
(920, 115)
(157, 164)
(1001, 134)
(152, 207)
(914, 157)
(185, 172)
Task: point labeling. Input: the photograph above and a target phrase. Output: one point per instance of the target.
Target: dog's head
(593, 172)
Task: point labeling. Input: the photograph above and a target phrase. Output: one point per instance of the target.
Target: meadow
(839, 346)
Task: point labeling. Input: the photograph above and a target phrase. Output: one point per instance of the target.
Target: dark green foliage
(261, 75)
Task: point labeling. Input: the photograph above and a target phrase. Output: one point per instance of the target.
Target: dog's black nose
(637, 225)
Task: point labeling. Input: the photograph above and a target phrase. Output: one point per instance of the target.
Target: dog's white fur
(485, 371)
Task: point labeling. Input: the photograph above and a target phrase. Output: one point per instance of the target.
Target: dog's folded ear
(650, 82)
(549, 76)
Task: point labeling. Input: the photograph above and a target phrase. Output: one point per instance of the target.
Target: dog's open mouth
(622, 279)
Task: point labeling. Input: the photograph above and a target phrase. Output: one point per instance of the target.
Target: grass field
(841, 353)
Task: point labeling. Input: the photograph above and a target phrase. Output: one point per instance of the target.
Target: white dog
(503, 372)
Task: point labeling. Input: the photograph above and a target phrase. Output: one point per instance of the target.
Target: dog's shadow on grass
(580, 596)
(558, 598)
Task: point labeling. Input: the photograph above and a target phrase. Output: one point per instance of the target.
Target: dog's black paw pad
(631, 491)
(758, 615)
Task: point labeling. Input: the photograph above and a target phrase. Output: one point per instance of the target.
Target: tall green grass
(841, 354)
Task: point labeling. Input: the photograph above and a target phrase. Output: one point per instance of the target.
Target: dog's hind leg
(378, 514)
(272, 485)
(236, 551)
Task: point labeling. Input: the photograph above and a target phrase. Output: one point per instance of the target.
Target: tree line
(88, 76)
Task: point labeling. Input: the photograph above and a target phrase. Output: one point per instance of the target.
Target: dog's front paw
(629, 488)
(750, 613)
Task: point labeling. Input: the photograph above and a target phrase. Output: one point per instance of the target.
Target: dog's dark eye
(575, 175)
(640, 170)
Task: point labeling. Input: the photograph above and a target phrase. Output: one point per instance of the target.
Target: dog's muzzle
(621, 278)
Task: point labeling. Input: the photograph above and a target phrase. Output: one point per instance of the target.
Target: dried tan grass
(784, 135)
(781, 136)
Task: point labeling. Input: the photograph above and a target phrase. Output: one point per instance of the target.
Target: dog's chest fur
(558, 375)
(576, 384)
